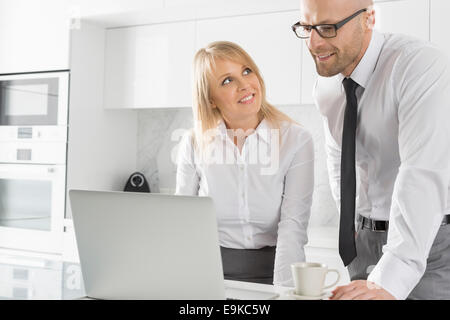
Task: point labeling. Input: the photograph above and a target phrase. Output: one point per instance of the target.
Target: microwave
(34, 106)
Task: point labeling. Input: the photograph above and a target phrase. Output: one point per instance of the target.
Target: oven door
(32, 202)
(35, 99)
(48, 152)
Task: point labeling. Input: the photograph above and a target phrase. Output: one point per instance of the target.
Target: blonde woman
(253, 161)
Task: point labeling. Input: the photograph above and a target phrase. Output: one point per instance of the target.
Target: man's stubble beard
(332, 70)
(343, 60)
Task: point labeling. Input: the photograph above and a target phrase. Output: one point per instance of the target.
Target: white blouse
(262, 196)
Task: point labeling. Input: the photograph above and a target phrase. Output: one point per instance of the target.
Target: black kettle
(137, 183)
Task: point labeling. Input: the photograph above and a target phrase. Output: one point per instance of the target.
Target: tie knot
(349, 85)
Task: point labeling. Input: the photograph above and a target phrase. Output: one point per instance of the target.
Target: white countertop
(28, 276)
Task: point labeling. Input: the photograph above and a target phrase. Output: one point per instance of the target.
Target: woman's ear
(212, 104)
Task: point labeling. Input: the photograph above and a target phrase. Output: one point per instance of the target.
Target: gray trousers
(435, 283)
(251, 265)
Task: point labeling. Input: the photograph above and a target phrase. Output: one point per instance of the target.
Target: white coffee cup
(309, 278)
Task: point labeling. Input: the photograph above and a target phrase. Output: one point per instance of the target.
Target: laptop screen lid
(147, 246)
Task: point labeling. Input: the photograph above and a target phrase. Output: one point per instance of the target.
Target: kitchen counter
(27, 275)
(30, 276)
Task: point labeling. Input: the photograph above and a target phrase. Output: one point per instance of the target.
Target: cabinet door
(439, 16)
(34, 35)
(269, 40)
(409, 17)
(149, 66)
(309, 75)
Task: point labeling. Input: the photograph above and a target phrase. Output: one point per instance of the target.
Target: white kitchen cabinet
(409, 17)
(269, 40)
(149, 66)
(438, 30)
(309, 75)
(41, 282)
(102, 144)
(234, 7)
(34, 35)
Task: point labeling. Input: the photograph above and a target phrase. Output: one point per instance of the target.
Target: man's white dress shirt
(402, 149)
(262, 196)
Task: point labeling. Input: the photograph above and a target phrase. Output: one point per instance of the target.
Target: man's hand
(361, 290)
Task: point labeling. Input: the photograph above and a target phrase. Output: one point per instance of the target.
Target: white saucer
(291, 294)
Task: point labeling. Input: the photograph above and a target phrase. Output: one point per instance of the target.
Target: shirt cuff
(283, 277)
(395, 276)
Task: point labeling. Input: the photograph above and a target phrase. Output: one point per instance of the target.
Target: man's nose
(315, 40)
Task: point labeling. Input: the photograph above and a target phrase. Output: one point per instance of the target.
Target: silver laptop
(150, 246)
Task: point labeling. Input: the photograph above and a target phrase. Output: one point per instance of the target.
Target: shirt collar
(366, 66)
(262, 130)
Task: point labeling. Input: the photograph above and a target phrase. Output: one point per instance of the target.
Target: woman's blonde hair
(206, 117)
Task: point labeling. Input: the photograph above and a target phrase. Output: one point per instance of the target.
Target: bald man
(385, 101)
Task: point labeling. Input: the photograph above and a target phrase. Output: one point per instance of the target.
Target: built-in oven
(32, 203)
(31, 195)
(33, 152)
(34, 106)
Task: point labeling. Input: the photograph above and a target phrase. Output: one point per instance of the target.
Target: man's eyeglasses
(324, 30)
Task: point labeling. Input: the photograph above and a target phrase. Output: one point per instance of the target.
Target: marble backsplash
(156, 144)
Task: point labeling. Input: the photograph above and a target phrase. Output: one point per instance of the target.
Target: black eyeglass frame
(336, 26)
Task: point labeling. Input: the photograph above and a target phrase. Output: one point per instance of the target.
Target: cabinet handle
(23, 154)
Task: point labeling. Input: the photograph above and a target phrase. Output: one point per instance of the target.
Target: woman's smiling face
(236, 91)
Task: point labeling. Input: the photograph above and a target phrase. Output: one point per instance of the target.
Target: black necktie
(347, 247)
